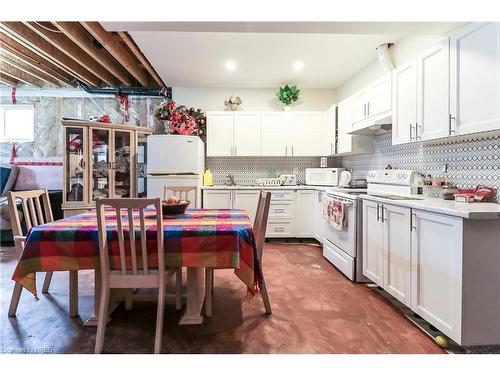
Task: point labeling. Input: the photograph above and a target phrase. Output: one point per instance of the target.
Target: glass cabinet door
(101, 164)
(76, 169)
(142, 146)
(122, 164)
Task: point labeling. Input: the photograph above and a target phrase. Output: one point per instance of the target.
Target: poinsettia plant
(181, 119)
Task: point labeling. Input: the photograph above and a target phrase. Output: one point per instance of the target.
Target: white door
(217, 199)
(404, 103)
(247, 200)
(275, 134)
(247, 133)
(328, 132)
(359, 106)
(433, 93)
(344, 117)
(475, 78)
(305, 134)
(373, 242)
(436, 270)
(220, 133)
(304, 218)
(379, 96)
(397, 274)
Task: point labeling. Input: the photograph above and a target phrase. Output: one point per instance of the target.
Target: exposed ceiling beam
(80, 36)
(32, 59)
(140, 56)
(30, 71)
(114, 47)
(66, 46)
(28, 38)
(15, 73)
(6, 80)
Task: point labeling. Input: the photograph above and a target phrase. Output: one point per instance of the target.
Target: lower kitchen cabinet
(241, 199)
(319, 221)
(304, 226)
(217, 199)
(386, 248)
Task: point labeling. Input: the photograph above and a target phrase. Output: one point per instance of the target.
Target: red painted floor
(315, 310)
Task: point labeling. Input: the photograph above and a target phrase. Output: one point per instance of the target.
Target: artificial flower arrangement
(288, 94)
(233, 102)
(180, 119)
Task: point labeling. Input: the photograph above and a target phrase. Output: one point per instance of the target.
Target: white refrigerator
(175, 160)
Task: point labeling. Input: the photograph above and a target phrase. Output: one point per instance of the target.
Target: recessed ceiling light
(230, 65)
(298, 65)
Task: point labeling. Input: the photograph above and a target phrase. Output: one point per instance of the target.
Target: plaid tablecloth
(200, 238)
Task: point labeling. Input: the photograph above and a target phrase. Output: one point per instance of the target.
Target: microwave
(323, 176)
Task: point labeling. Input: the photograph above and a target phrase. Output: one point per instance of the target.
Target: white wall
(212, 99)
(401, 52)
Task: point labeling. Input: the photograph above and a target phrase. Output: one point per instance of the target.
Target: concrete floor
(315, 310)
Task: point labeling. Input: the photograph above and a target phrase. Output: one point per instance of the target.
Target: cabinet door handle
(292, 151)
(413, 218)
(450, 129)
(364, 110)
(235, 151)
(286, 150)
(384, 218)
(417, 135)
(411, 132)
(378, 212)
(368, 109)
(83, 163)
(279, 210)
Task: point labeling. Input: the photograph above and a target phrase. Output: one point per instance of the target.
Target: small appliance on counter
(323, 176)
(345, 179)
(288, 179)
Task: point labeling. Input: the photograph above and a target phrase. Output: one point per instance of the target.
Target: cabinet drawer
(339, 259)
(281, 209)
(279, 229)
(280, 195)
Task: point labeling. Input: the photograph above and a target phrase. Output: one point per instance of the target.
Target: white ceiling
(193, 54)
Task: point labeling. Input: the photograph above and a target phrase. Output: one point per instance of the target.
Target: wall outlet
(295, 171)
(444, 168)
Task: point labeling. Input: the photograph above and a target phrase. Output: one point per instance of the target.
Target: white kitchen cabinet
(217, 199)
(433, 72)
(319, 221)
(378, 96)
(358, 106)
(247, 130)
(305, 133)
(347, 143)
(275, 134)
(475, 78)
(404, 102)
(219, 133)
(304, 222)
(373, 242)
(247, 200)
(328, 131)
(436, 270)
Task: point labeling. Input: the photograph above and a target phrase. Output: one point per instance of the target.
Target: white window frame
(4, 107)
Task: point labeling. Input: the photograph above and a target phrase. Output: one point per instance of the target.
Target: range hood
(375, 125)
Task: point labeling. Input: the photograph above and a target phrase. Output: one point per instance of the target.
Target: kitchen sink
(397, 197)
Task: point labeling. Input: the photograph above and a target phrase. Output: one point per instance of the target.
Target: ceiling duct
(384, 57)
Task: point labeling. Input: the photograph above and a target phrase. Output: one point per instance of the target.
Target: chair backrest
(260, 223)
(36, 210)
(181, 192)
(130, 206)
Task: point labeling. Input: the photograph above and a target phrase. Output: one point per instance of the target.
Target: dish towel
(335, 213)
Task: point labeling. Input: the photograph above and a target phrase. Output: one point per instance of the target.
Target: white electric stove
(402, 182)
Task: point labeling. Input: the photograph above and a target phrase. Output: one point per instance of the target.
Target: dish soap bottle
(208, 178)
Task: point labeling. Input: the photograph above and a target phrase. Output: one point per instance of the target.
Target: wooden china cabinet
(102, 160)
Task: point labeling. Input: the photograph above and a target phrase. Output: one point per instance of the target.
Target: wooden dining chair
(36, 210)
(137, 272)
(259, 230)
(181, 193)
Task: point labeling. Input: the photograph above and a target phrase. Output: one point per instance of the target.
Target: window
(17, 123)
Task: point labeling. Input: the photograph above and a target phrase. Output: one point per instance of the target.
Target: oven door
(344, 239)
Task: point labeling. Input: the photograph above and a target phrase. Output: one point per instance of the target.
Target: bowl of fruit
(173, 207)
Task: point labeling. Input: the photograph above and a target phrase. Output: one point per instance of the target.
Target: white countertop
(439, 205)
(254, 187)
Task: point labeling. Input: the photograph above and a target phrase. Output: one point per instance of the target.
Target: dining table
(198, 239)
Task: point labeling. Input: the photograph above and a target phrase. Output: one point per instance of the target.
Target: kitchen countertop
(464, 210)
(254, 187)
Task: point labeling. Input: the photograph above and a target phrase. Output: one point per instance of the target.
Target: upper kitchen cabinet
(328, 131)
(219, 133)
(347, 143)
(373, 101)
(247, 131)
(305, 134)
(275, 133)
(420, 91)
(475, 79)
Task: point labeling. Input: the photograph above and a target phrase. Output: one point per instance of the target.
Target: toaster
(288, 179)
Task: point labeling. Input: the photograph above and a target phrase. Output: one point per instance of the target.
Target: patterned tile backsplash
(246, 169)
(472, 161)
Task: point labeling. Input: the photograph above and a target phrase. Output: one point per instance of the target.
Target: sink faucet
(231, 180)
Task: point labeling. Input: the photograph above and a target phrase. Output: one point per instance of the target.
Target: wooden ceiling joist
(115, 48)
(13, 72)
(31, 40)
(140, 56)
(9, 81)
(66, 46)
(80, 36)
(30, 58)
(30, 71)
